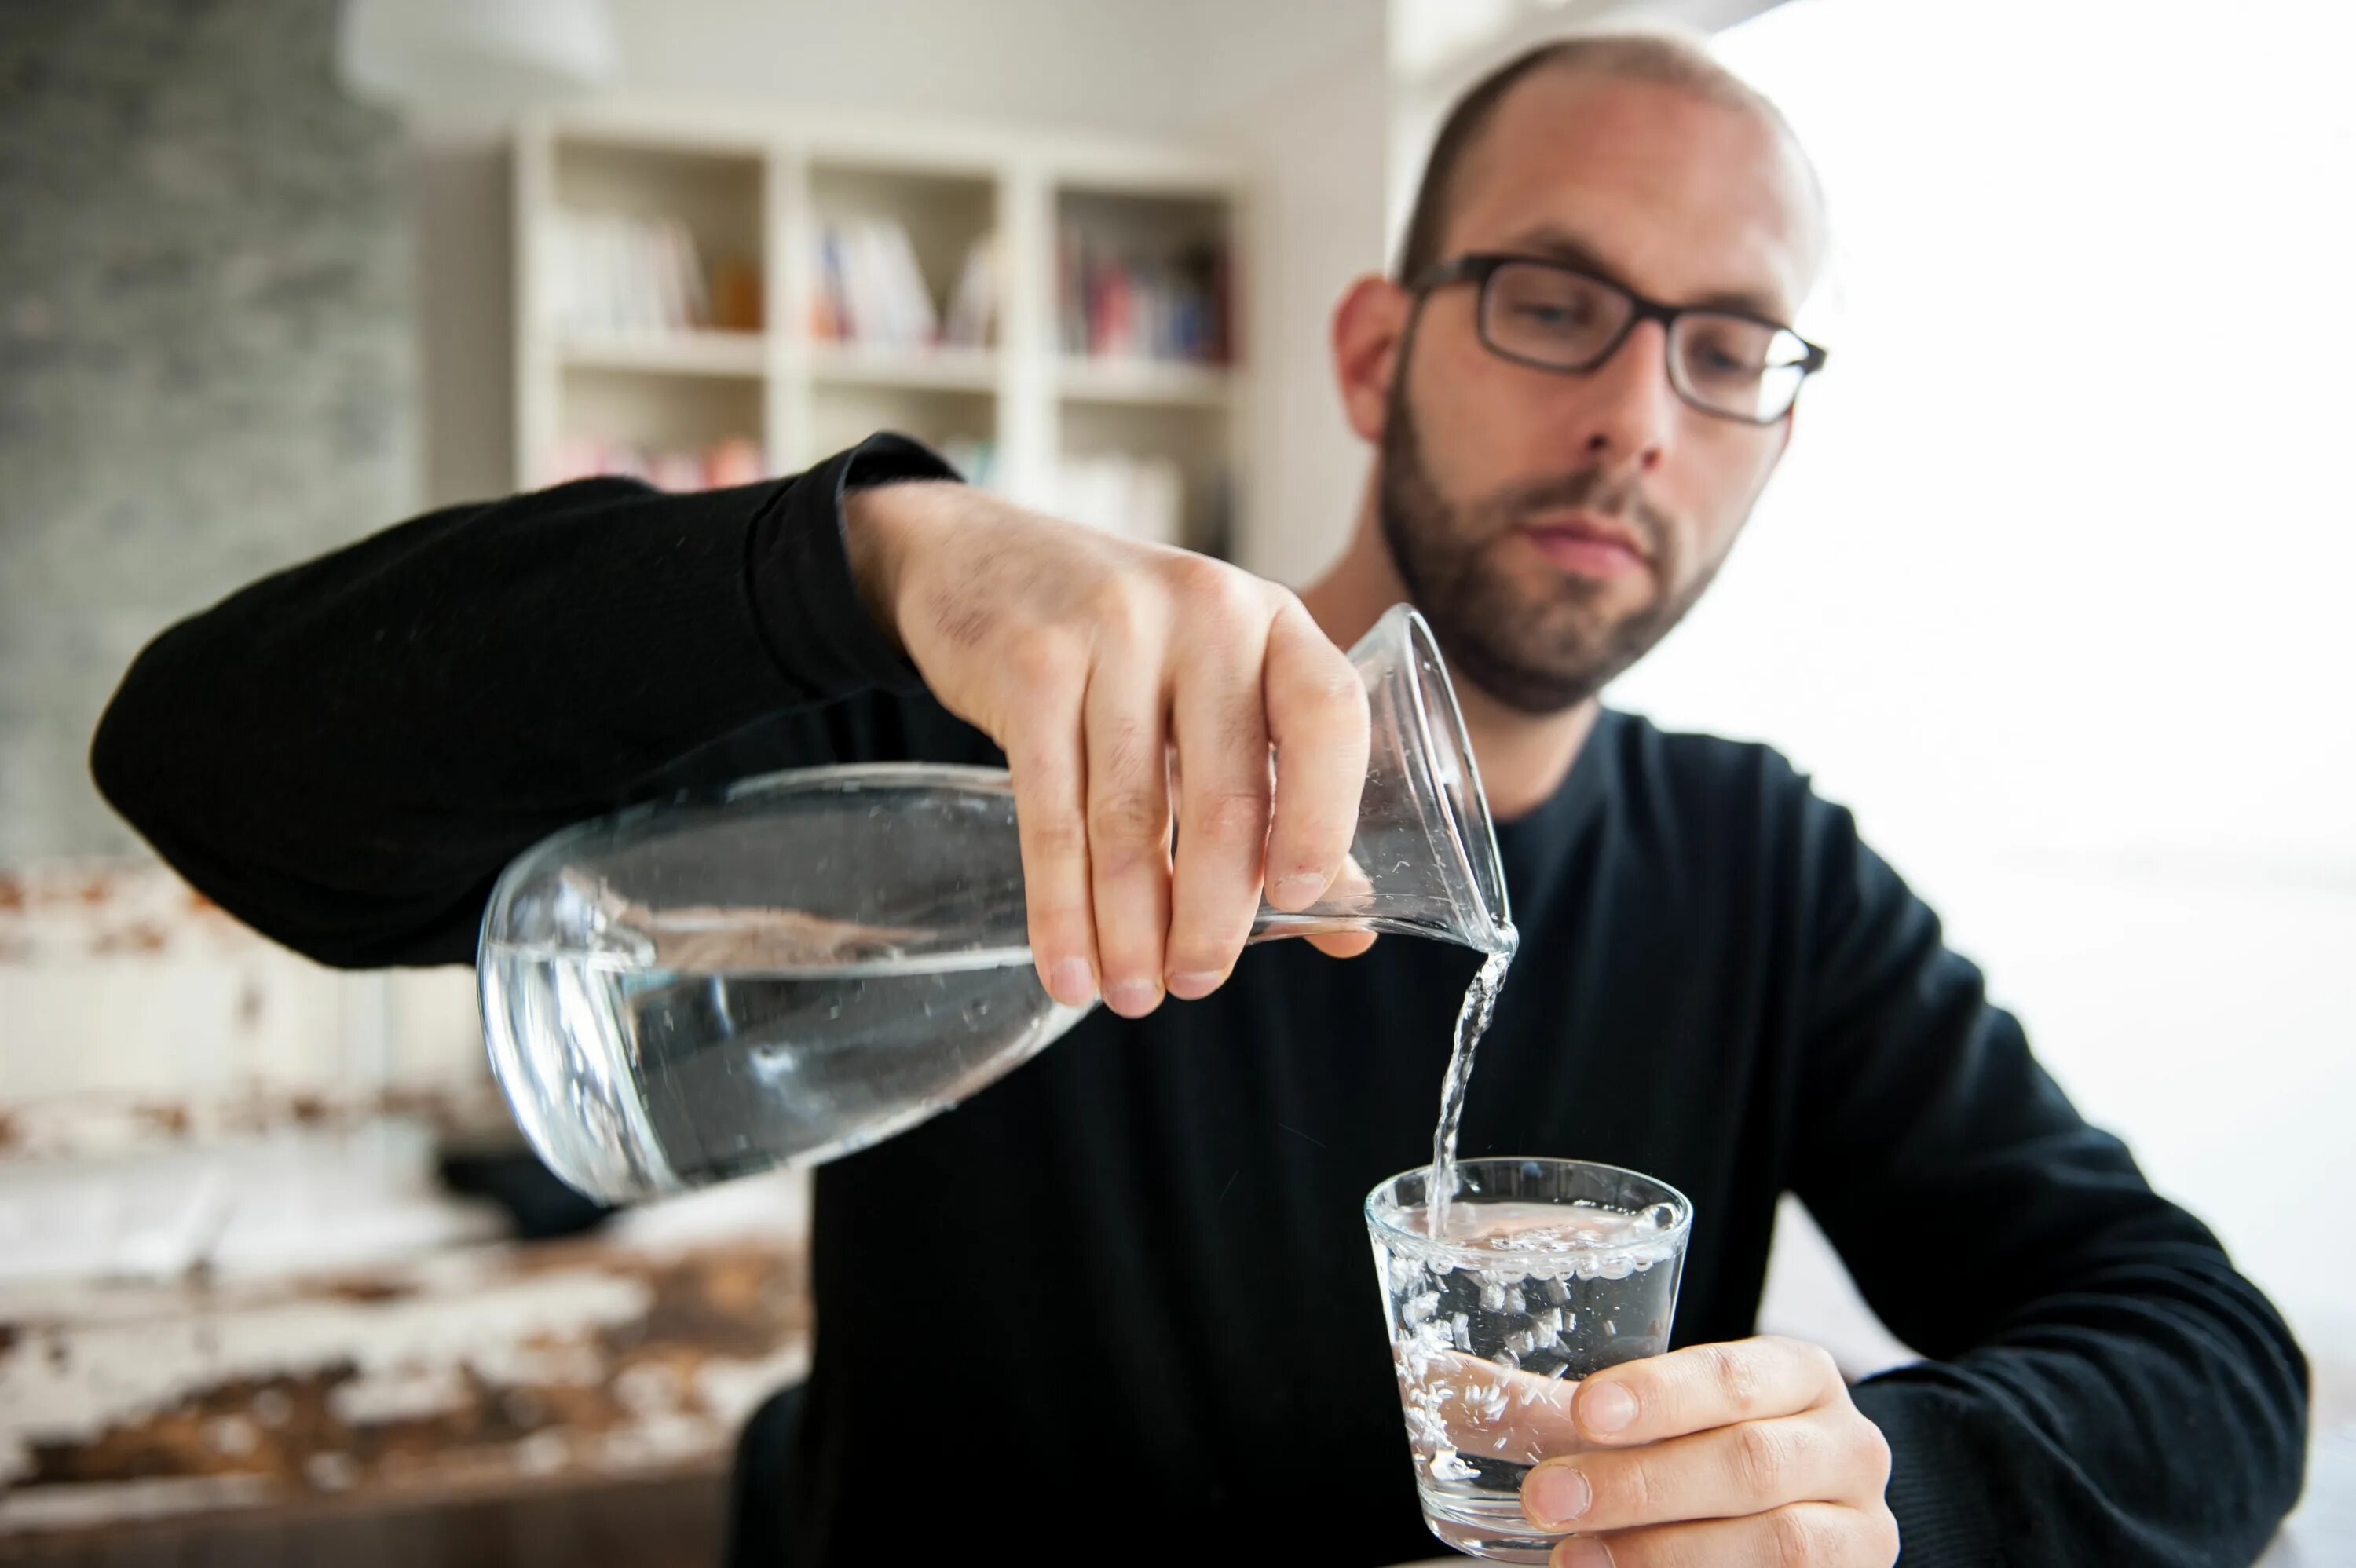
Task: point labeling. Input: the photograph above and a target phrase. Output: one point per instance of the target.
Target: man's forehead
(1675, 194)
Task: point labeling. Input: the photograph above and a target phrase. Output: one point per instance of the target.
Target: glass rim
(1484, 860)
(1675, 1234)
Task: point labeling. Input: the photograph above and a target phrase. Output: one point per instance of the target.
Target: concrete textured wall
(206, 348)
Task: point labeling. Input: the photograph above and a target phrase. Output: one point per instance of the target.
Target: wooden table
(522, 1386)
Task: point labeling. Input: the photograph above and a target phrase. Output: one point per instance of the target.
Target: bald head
(1661, 60)
(1553, 521)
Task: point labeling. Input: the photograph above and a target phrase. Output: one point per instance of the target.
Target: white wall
(1319, 224)
(1439, 48)
(2053, 586)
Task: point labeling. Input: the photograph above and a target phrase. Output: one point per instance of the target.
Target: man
(1117, 1307)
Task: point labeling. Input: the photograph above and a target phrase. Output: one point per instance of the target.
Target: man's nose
(1626, 418)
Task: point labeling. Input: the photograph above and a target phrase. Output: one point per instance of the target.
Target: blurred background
(2050, 589)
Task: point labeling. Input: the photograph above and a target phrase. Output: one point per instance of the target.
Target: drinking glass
(1551, 1271)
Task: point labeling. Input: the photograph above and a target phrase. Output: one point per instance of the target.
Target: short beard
(1540, 659)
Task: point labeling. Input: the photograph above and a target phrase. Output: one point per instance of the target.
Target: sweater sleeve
(347, 754)
(2102, 1385)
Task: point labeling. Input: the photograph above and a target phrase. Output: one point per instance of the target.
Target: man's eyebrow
(1561, 245)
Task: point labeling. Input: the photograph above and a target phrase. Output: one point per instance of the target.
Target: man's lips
(1590, 545)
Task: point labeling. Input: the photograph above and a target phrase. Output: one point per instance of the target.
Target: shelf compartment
(894, 234)
(1116, 455)
(654, 238)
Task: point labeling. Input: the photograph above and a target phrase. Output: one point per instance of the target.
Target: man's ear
(1369, 326)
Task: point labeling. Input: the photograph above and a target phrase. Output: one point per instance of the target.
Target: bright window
(2055, 585)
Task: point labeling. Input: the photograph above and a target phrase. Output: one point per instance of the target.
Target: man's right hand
(1087, 657)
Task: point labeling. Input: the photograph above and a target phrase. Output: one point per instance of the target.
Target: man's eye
(1724, 364)
(1554, 314)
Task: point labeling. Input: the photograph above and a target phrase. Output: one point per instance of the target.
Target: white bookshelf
(763, 188)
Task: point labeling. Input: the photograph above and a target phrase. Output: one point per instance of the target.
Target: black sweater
(1121, 1303)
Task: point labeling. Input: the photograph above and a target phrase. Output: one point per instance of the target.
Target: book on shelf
(974, 458)
(735, 461)
(1115, 303)
(973, 320)
(1138, 497)
(625, 276)
(872, 292)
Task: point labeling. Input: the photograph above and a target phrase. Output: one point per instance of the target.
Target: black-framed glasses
(1555, 316)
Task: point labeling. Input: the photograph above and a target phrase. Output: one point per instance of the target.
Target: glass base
(1497, 1531)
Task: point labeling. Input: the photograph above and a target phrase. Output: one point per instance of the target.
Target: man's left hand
(1748, 1452)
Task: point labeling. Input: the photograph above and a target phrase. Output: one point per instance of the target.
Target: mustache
(1588, 490)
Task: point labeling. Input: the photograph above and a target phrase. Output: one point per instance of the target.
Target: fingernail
(1073, 984)
(1555, 1495)
(1299, 891)
(1196, 984)
(1606, 1408)
(1584, 1552)
(1133, 998)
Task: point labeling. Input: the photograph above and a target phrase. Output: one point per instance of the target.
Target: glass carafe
(797, 966)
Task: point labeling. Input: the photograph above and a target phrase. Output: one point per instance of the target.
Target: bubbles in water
(1446, 1467)
(771, 1065)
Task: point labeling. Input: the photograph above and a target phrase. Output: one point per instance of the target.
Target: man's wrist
(823, 627)
(877, 521)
